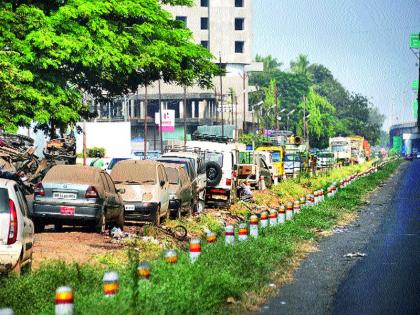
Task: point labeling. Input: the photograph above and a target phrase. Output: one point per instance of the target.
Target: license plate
(129, 207)
(219, 197)
(67, 196)
(67, 210)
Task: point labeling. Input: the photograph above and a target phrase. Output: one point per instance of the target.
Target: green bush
(91, 152)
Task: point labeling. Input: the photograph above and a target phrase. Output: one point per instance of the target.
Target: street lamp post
(287, 115)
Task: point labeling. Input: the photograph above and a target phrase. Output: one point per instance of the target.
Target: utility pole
(244, 76)
(276, 95)
(418, 93)
(221, 95)
(160, 119)
(185, 115)
(145, 122)
(236, 119)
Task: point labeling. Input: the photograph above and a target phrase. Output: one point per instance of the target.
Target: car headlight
(147, 196)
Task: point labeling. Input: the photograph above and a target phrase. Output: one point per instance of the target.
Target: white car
(16, 229)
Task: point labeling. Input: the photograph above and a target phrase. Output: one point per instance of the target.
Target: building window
(239, 3)
(205, 3)
(205, 43)
(239, 47)
(181, 18)
(204, 23)
(239, 24)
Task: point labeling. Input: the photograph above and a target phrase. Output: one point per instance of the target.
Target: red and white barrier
(111, 284)
(253, 226)
(296, 207)
(243, 232)
(143, 270)
(229, 235)
(264, 219)
(273, 217)
(195, 249)
(289, 211)
(64, 301)
(281, 217)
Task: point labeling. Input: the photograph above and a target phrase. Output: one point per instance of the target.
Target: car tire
(39, 226)
(156, 220)
(120, 220)
(213, 173)
(58, 227)
(100, 226)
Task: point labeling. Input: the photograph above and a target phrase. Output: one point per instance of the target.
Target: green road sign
(415, 41)
(415, 85)
(415, 108)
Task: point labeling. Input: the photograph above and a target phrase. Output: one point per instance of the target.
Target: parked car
(146, 189)
(181, 197)
(251, 167)
(16, 229)
(113, 162)
(198, 175)
(324, 159)
(77, 195)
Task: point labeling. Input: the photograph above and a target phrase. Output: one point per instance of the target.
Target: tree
(61, 49)
(300, 66)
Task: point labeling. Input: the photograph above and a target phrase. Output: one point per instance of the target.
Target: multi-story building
(222, 26)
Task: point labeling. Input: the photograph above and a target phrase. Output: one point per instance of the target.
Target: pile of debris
(17, 155)
(61, 150)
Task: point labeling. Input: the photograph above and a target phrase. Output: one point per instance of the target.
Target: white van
(16, 229)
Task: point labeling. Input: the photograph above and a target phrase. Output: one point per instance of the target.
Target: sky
(365, 44)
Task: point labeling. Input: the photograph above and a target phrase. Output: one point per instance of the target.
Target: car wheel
(58, 227)
(39, 226)
(28, 267)
(100, 226)
(156, 220)
(120, 220)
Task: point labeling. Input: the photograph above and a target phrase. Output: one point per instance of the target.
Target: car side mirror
(121, 191)
(162, 183)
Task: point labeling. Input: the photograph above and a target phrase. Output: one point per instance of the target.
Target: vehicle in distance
(181, 199)
(145, 188)
(16, 229)
(77, 195)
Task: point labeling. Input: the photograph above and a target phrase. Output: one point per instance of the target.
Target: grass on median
(201, 288)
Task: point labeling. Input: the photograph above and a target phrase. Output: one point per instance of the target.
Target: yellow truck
(274, 159)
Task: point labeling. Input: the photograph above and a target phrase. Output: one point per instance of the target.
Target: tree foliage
(333, 110)
(61, 49)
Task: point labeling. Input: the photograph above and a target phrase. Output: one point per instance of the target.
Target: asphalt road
(386, 280)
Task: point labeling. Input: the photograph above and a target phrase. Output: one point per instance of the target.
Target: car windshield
(339, 148)
(291, 158)
(180, 162)
(115, 161)
(173, 175)
(214, 157)
(141, 172)
(275, 156)
(4, 201)
(184, 158)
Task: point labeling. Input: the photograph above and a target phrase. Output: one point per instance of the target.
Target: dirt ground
(73, 245)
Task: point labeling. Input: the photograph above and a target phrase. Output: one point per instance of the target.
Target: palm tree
(270, 63)
(301, 65)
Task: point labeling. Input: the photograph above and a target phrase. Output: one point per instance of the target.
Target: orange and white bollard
(253, 226)
(229, 234)
(264, 219)
(243, 232)
(322, 194)
(334, 188)
(329, 191)
(195, 249)
(171, 256)
(289, 211)
(308, 200)
(211, 237)
(316, 197)
(296, 207)
(281, 217)
(143, 270)
(111, 283)
(273, 217)
(64, 301)
(6, 311)
(261, 183)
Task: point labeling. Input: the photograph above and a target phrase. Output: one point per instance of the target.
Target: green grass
(184, 288)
